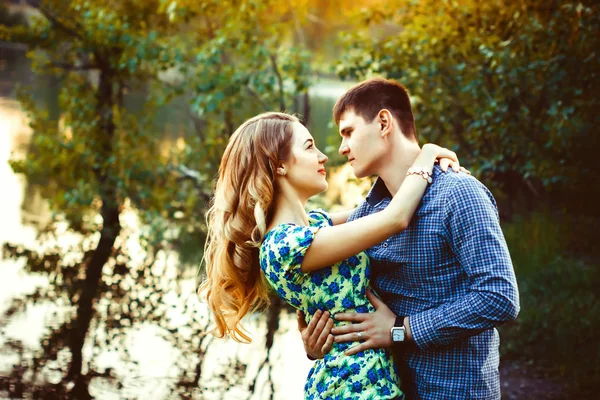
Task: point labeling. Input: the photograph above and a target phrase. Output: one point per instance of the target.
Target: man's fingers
(301, 321)
(374, 299)
(350, 337)
(340, 330)
(352, 317)
(358, 348)
(328, 345)
(313, 323)
(322, 321)
(325, 333)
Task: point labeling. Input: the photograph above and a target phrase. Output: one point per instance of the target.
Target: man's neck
(395, 167)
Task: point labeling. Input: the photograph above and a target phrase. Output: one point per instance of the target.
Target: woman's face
(305, 170)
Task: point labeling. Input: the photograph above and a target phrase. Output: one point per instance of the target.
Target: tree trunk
(306, 108)
(110, 230)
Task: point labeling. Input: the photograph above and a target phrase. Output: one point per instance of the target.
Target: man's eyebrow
(345, 130)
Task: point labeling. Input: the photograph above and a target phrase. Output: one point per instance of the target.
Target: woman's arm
(336, 243)
(341, 217)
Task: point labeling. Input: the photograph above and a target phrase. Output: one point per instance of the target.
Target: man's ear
(385, 121)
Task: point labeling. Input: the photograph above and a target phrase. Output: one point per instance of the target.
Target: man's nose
(343, 149)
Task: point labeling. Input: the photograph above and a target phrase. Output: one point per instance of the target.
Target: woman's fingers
(444, 163)
(466, 171)
(447, 162)
(445, 153)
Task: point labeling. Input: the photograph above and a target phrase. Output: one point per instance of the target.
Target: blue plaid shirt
(450, 272)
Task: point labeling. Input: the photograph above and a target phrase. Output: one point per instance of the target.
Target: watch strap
(399, 321)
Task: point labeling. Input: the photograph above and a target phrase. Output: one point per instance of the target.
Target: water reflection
(147, 337)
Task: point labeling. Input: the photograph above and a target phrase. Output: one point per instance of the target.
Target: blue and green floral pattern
(370, 374)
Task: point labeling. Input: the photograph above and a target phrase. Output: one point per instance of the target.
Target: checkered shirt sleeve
(475, 237)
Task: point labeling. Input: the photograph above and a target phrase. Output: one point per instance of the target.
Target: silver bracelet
(423, 171)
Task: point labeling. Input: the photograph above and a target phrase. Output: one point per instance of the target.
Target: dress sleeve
(281, 256)
(319, 217)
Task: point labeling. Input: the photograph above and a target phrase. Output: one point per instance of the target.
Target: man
(447, 281)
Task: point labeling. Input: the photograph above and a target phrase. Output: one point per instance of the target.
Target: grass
(558, 326)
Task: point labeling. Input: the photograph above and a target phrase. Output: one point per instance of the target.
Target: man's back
(451, 273)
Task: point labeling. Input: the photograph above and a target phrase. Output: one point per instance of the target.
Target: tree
(97, 155)
(99, 158)
(511, 85)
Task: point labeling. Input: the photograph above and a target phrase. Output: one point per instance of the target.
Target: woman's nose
(323, 159)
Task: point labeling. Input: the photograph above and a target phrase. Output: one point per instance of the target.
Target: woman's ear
(281, 170)
(385, 122)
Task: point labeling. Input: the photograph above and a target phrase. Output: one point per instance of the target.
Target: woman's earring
(283, 172)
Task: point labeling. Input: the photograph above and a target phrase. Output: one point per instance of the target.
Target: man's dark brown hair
(367, 98)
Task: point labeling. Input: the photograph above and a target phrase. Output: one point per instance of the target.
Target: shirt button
(385, 244)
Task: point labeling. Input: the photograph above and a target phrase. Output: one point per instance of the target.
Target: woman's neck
(289, 208)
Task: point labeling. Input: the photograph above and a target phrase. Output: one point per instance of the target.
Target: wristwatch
(398, 331)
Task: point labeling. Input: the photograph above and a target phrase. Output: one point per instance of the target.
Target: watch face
(397, 334)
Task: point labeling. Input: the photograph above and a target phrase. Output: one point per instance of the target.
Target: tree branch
(315, 19)
(71, 67)
(257, 97)
(299, 33)
(279, 80)
(53, 19)
(196, 177)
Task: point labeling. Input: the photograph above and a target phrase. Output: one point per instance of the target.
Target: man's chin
(359, 173)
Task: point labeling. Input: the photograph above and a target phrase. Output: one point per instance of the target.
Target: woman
(260, 235)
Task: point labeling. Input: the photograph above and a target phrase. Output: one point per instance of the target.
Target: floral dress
(370, 374)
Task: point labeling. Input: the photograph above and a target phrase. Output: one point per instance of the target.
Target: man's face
(362, 143)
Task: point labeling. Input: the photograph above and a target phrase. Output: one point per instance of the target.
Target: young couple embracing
(398, 298)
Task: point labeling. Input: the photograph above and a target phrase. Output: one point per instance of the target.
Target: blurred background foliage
(512, 86)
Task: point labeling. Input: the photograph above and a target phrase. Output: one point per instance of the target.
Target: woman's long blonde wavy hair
(238, 219)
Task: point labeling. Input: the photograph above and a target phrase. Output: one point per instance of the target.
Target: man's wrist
(407, 330)
(398, 331)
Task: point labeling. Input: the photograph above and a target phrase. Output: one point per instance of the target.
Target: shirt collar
(380, 192)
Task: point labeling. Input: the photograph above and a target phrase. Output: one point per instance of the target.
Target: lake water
(23, 210)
